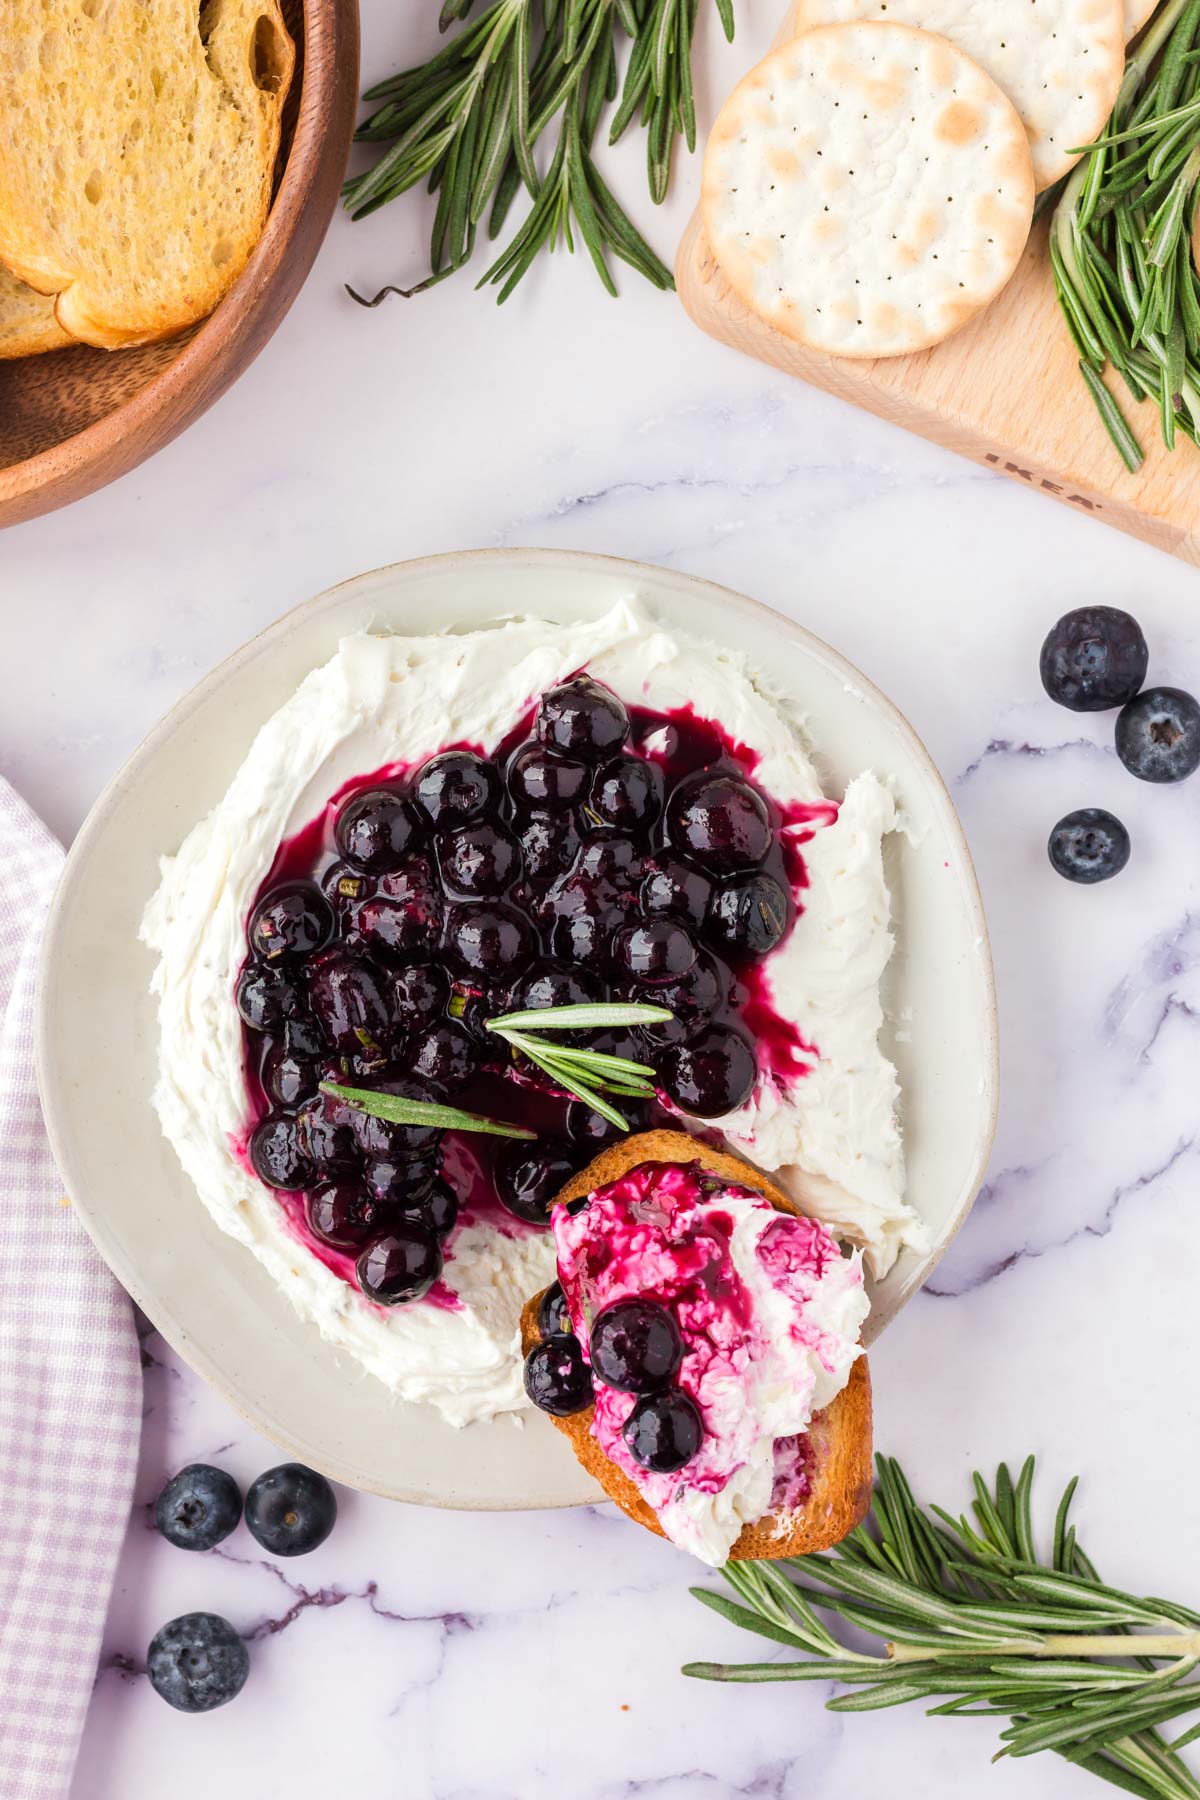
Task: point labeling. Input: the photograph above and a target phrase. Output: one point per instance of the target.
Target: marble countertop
(479, 1657)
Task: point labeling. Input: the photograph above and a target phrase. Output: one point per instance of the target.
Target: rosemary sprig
(588, 1074)
(975, 1622)
(469, 121)
(398, 1110)
(1120, 242)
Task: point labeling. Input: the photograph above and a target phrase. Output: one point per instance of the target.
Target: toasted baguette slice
(27, 322)
(840, 1495)
(137, 148)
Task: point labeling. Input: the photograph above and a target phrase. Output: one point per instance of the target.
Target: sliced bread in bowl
(28, 325)
(839, 1463)
(137, 152)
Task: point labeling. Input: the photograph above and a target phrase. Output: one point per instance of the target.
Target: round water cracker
(1059, 61)
(867, 189)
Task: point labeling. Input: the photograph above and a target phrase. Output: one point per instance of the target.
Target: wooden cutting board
(1006, 392)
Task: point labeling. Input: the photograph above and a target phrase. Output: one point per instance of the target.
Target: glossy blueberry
(552, 986)
(654, 950)
(197, 1662)
(582, 718)
(553, 1319)
(347, 995)
(627, 793)
(1089, 845)
(265, 996)
(303, 1036)
(418, 996)
(288, 1079)
(592, 1132)
(343, 1214)
(375, 831)
(1158, 735)
(345, 887)
(446, 1055)
(607, 857)
(548, 844)
(290, 1510)
(1094, 658)
(581, 921)
(455, 787)
(401, 1264)
(403, 917)
(674, 889)
(198, 1508)
(748, 916)
(440, 1209)
(528, 1176)
(557, 1379)
(664, 1432)
(488, 939)
(328, 1130)
(694, 999)
(720, 821)
(480, 859)
(712, 1074)
(277, 1155)
(290, 922)
(635, 1346)
(539, 780)
(401, 1184)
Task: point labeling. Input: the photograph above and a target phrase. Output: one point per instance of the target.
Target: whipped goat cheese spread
(827, 1125)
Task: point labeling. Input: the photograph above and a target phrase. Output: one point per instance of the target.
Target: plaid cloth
(70, 1382)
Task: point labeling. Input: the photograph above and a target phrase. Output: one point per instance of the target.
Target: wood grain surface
(76, 419)
(1005, 391)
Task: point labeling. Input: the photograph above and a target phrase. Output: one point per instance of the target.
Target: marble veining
(442, 1656)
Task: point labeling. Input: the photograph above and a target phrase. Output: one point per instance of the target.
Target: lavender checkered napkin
(70, 1381)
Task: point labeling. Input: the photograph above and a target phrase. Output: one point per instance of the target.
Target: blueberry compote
(600, 853)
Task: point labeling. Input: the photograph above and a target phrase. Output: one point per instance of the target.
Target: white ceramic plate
(97, 1029)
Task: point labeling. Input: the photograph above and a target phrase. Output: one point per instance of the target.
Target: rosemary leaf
(399, 1110)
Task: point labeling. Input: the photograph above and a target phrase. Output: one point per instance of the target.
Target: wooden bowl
(73, 421)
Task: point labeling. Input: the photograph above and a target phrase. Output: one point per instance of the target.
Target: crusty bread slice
(137, 148)
(27, 322)
(840, 1495)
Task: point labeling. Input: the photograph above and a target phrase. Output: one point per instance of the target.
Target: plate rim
(627, 569)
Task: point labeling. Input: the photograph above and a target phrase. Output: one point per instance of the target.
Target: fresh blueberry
(290, 922)
(288, 1079)
(488, 939)
(582, 718)
(664, 1432)
(401, 1264)
(197, 1662)
(483, 858)
(635, 1346)
(674, 889)
(198, 1507)
(748, 915)
(290, 1510)
(654, 950)
(401, 1183)
(1089, 845)
(375, 831)
(553, 1319)
(1095, 658)
(1158, 735)
(557, 1379)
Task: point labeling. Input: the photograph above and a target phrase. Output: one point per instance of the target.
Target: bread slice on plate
(137, 151)
(27, 322)
(840, 1437)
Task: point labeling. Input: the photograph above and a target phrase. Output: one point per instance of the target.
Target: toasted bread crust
(840, 1495)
